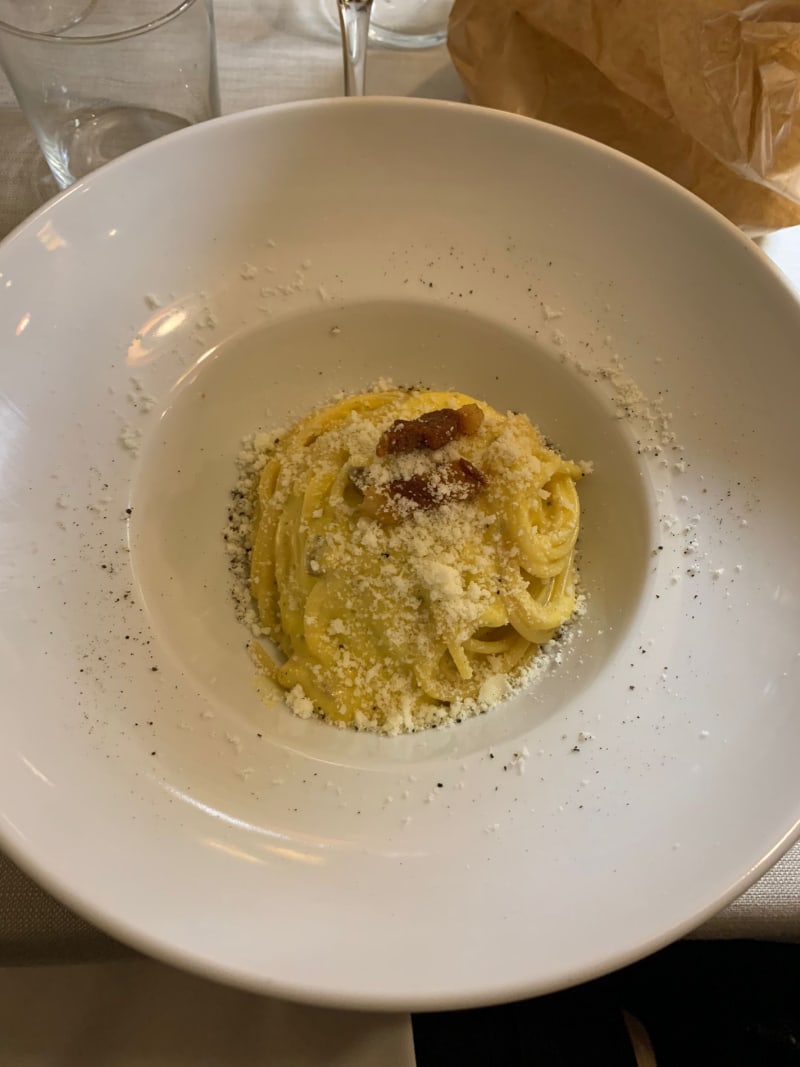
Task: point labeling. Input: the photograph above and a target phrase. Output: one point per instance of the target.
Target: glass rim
(99, 38)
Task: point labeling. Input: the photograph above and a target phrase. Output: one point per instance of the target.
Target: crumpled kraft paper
(706, 91)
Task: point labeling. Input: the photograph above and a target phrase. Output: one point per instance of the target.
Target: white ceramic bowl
(141, 778)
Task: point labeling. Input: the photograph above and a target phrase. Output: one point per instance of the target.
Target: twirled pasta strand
(403, 624)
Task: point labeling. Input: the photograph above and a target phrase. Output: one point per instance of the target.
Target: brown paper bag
(706, 91)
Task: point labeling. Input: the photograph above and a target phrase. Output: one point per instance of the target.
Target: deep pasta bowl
(228, 279)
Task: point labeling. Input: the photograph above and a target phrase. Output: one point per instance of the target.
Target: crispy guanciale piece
(455, 481)
(433, 430)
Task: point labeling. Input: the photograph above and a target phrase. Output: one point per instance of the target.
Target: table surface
(273, 51)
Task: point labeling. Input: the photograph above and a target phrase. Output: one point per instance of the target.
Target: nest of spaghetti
(410, 552)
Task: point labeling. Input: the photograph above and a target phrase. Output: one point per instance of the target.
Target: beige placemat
(36, 928)
(137, 1013)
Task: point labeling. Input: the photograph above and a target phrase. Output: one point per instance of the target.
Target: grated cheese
(420, 560)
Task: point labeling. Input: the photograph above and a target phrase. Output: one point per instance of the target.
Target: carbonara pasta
(409, 552)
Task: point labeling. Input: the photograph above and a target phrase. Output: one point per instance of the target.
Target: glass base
(94, 136)
(392, 39)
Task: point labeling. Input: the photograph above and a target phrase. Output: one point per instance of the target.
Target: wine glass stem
(354, 20)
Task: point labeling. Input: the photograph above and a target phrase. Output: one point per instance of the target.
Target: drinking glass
(410, 23)
(398, 23)
(96, 78)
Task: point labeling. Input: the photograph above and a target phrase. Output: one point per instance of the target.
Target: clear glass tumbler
(410, 23)
(96, 78)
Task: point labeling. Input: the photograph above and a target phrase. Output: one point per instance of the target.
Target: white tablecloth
(272, 51)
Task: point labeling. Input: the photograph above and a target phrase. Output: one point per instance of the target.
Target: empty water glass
(96, 78)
